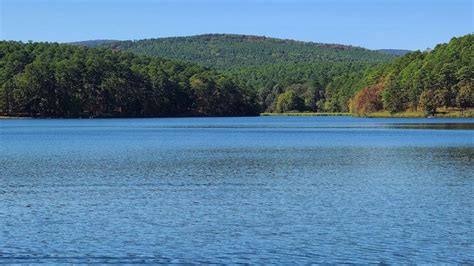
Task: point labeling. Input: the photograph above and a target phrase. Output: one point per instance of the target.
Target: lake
(237, 190)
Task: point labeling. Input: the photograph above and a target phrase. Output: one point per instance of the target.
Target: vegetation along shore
(233, 75)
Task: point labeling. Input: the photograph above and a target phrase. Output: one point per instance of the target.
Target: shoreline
(2, 117)
(450, 114)
(307, 114)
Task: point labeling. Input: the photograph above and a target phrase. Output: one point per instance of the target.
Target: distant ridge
(397, 52)
(226, 51)
(93, 43)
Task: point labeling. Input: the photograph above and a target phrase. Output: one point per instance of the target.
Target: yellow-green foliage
(408, 114)
(305, 114)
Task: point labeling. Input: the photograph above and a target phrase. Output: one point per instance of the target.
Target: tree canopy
(49, 79)
(231, 51)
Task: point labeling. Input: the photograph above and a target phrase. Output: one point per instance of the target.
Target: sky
(374, 24)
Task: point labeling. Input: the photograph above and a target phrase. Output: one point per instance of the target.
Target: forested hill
(225, 51)
(93, 43)
(57, 80)
(397, 52)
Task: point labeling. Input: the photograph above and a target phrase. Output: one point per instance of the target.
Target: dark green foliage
(225, 51)
(48, 79)
(394, 97)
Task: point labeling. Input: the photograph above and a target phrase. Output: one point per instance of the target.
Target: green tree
(465, 97)
(289, 101)
(393, 96)
(429, 102)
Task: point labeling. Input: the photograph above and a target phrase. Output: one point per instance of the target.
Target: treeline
(54, 80)
(229, 51)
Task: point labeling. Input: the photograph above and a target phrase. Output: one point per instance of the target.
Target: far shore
(306, 114)
(14, 117)
(446, 114)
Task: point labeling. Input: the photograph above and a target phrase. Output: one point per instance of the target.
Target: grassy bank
(13, 117)
(444, 114)
(305, 114)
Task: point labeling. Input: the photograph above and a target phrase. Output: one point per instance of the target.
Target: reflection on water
(434, 125)
(242, 190)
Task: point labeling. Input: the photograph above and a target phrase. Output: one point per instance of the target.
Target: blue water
(237, 190)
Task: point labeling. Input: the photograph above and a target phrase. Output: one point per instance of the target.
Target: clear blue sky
(405, 24)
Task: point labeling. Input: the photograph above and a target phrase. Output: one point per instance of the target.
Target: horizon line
(234, 34)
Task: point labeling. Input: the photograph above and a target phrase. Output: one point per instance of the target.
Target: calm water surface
(237, 190)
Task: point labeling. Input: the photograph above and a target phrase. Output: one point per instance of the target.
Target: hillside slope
(397, 52)
(225, 51)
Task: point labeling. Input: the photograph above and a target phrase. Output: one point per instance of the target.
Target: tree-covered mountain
(93, 43)
(397, 52)
(57, 80)
(226, 51)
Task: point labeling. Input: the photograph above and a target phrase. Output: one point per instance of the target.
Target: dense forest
(59, 80)
(226, 51)
(56, 80)
(418, 81)
(309, 82)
